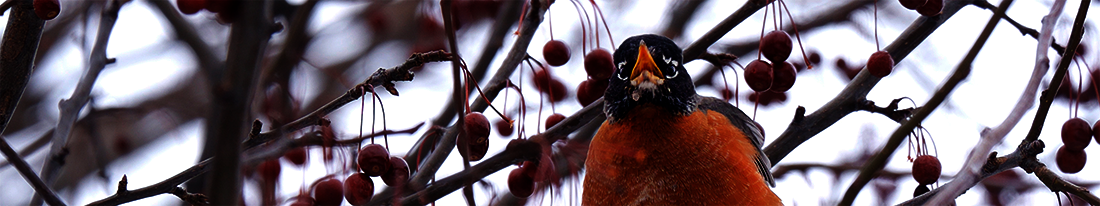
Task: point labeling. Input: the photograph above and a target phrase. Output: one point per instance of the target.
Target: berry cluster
(778, 76)
(597, 63)
(1076, 135)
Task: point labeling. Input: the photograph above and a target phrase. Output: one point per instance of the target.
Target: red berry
(547, 84)
(328, 191)
(815, 57)
(598, 64)
(554, 119)
(358, 189)
(921, 189)
(303, 201)
(776, 46)
(398, 174)
(269, 170)
(504, 128)
(590, 90)
(556, 53)
(931, 8)
(767, 97)
(1076, 134)
(1096, 132)
(520, 184)
(727, 94)
(374, 160)
(190, 6)
(926, 169)
(783, 76)
(880, 64)
(912, 4)
(47, 9)
(758, 74)
(1070, 161)
(476, 125)
(296, 156)
(476, 128)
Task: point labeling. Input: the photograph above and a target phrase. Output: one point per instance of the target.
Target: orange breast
(653, 157)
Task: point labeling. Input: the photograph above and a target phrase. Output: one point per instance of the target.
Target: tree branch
(878, 161)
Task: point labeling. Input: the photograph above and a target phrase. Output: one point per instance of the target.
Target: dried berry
(783, 76)
(328, 191)
(776, 46)
(1070, 161)
(1076, 134)
(358, 189)
(556, 53)
(598, 64)
(926, 169)
(398, 174)
(374, 160)
(47, 9)
(554, 119)
(880, 64)
(758, 74)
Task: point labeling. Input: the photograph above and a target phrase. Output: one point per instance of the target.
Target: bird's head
(649, 69)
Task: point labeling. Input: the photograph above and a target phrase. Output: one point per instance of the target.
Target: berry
(190, 6)
(912, 4)
(921, 189)
(504, 128)
(926, 169)
(1096, 132)
(303, 201)
(815, 57)
(269, 170)
(545, 83)
(374, 160)
(767, 97)
(556, 53)
(776, 46)
(727, 94)
(217, 6)
(476, 129)
(296, 156)
(783, 76)
(520, 183)
(590, 90)
(598, 64)
(880, 64)
(931, 8)
(1070, 161)
(398, 174)
(554, 119)
(1076, 134)
(1081, 50)
(758, 74)
(358, 189)
(329, 191)
(47, 9)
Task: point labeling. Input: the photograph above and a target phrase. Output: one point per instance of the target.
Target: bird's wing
(745, 124)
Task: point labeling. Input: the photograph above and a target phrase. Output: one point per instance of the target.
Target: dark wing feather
(743, 122)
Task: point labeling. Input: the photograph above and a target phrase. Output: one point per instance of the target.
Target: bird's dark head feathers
(660, 78)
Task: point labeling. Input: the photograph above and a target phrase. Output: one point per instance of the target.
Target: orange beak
(645, 69)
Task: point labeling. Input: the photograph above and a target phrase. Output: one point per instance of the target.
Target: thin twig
(994, 136)
(878, 161)
(691, 52)
(208, 62)
(38, 143)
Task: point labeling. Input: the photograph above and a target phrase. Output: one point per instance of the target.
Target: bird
(663, 144)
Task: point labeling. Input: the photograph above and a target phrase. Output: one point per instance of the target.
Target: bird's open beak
(645, 69)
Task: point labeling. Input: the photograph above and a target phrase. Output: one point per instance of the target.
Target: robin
(663, 144)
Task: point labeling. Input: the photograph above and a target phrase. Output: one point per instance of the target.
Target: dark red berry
(328, 191)
(504, 128)
(358, 189)
(590, 90)
(554, 119)
(303, 200)
(190, 6)
(815, 57)
(1096, 132)
(520, 184)
(767, 97)
(1076, 134)
(931, 8)
(217, 6)
(476, 128)
(926, 169)
(398, 174)
(1070, 161)
(598, 64)
(912, 4)
(921, 189)
(776, 46)
(547, 84)
(880, 64)
(758, 74)
(784, 75)
(727, 94)
(374, 160)
(269, 170)
(296, 156)
(556, 53)
(1081, 50)
(47, 9)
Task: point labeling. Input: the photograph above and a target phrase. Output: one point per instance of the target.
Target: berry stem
(582, 15)
(760, 47)
(605, 27)
(799, 37)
